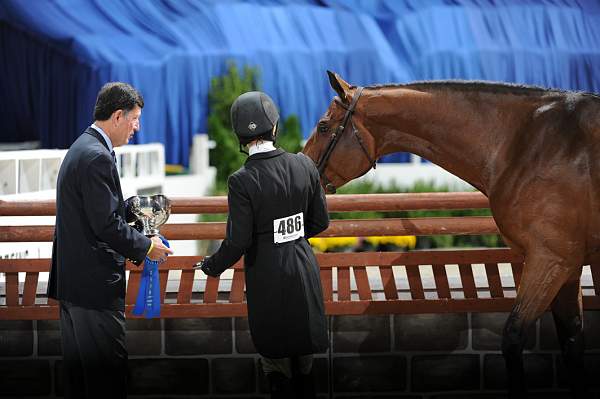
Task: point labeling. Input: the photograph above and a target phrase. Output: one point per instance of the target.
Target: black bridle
(335, 136)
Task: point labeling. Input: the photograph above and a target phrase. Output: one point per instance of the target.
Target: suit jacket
(91, 237)
(283, 287)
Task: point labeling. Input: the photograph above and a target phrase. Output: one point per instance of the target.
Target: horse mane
(480, 86)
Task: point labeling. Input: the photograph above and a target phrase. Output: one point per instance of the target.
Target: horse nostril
(330, 188)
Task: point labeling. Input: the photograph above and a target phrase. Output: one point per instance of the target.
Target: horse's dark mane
(480, 86)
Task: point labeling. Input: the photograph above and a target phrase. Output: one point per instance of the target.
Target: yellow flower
(329, 243)
(401, 241)
(326, 243)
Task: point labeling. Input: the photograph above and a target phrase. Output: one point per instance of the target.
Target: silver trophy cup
(148, 213)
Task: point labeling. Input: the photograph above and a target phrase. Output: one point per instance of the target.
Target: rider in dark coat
(275, 204)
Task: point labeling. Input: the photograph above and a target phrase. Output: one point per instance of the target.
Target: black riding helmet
(253, 115)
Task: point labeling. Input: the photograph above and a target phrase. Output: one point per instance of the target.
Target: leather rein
(335, 136)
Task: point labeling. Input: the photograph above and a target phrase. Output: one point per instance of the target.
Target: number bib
(288, 228)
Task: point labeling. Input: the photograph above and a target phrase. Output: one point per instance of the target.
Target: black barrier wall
(441, 356)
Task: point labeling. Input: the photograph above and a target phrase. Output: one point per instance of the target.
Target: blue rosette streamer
(147, 302)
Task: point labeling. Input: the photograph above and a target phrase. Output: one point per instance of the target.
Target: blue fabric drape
(56, 54)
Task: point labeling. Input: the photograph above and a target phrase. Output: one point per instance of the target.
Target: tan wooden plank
(200, 310)
(441, 281)
(237, 286)
(494, 282)
(12, 289)
(419, 306)
(327, 283)
(326, 260)
(20, 207)
(414, 282)
(30, 288)
(343, 283)
(133, 286)
(172, 263)
(467, 280)
(335, 203)
(31, 312)
(24, 265)
(337, 228)
(496, 255)
(406, 201)
(388, 281)
(517, 269)
(211, 291)
(43, 264)
(163, 276)
(362, 283)
(186, 281)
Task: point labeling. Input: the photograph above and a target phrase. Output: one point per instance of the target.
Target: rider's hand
(204, 265)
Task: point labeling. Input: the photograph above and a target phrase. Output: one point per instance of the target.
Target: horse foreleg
(513, 340)
(544, 274)
(567, 310)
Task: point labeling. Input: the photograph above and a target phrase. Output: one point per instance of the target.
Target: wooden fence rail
(353, 283)
(337, 228)
(335, 203)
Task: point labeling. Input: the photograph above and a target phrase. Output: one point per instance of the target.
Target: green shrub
(290, 135)
(226, 155)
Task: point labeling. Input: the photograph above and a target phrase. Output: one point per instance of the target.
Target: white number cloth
(288, 228)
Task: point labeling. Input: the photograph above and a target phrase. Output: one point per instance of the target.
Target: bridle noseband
(335, 136)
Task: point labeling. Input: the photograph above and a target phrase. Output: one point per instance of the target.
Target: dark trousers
(94, 353)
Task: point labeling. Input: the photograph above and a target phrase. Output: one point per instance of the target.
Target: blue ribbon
(148, 298)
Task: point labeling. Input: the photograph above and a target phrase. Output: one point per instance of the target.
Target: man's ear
(340, 86)
(118, 114)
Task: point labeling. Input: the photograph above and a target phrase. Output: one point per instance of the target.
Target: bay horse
(534, 152)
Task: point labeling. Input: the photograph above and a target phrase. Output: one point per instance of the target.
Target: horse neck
(455, 130)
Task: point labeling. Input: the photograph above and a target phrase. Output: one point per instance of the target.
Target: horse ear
(338, 84)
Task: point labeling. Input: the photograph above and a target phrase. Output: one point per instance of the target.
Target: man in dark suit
(91, 242)
(275, 204)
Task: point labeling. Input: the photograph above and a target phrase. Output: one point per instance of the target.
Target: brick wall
(441, 356)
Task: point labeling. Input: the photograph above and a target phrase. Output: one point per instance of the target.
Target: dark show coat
(283, 287)
(91, 238)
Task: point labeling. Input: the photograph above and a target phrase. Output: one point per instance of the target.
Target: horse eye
(323, 127)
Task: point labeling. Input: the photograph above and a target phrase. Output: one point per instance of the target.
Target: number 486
(290, 225)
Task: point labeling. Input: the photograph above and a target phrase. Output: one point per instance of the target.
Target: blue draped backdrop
(56, 54)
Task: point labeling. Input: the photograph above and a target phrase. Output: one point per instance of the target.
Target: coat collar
(93, 132)
(265, 155)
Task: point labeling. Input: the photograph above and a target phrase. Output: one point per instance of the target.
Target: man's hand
(159, 251)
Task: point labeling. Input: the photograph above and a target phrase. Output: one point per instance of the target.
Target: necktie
(114, 157)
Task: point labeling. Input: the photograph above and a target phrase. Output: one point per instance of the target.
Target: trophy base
(150, 232)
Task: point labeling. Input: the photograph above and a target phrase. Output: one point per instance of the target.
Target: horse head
(340, 144)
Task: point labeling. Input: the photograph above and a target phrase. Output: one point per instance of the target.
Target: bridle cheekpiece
(335, 136)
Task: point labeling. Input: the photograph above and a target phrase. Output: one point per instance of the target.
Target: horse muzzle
(330, 188)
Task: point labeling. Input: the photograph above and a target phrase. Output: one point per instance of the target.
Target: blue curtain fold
(56, 54)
